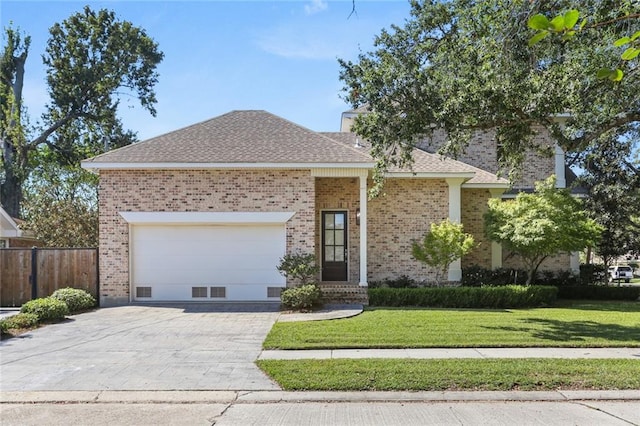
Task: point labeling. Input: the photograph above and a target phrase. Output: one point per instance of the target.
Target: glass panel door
(334, 246)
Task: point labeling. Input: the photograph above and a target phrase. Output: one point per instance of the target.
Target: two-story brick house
(206, 212)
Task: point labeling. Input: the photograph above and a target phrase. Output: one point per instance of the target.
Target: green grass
(576, 324)
(458, 374)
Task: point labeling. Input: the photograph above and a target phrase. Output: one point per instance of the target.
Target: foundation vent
(218, 292)
(274, 291)
(143, 291)
(198, 292)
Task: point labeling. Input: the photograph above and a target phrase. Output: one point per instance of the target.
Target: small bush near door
(301, 298)
(300, 267)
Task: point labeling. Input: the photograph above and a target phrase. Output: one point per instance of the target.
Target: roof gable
(236, 137)
(425, 162)
(8, 226)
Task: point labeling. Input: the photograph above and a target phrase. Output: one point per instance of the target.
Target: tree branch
(616, 121)
(55, 126)
(614, 20)
(353, 9)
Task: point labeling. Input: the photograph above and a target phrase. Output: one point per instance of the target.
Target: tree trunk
(14, 163)
(11, 194)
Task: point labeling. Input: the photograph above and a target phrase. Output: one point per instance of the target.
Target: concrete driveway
(171, 347)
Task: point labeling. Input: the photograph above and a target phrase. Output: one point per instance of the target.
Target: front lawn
(574, 324)
(454, 374)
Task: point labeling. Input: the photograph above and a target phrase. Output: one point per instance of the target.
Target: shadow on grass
(594, 305)
(576, 331)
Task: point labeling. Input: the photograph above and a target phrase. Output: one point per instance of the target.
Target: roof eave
(199, 166)
(488, 185)
(467, 175)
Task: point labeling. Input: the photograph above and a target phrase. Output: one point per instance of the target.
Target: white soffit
(204, 166)
(203, 218)
(464, 175)
(339, 172)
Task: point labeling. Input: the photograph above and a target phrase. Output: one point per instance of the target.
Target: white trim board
(201, 218)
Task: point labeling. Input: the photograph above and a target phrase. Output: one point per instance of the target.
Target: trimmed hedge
(299, 298)
(77, 300)
(512, 296)
(46, 309)
(18, 321)
(598, 292)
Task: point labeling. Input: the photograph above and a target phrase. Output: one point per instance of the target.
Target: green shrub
(46, 309)
(599, 292)
(512, 296)
(477, 276)
(403, 281)
(77, 300)
(592, 274)
(441, 246)
(301, 267)
(300, 298)
(18, 321)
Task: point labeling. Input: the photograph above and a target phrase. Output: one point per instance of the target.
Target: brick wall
(195, 191)
(559, 263)
(482, 153)
(403, 214)
(474, 206)
(341, 194)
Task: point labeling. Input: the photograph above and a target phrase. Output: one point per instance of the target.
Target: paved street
(194, 364)
(143, 347)
(321, 408)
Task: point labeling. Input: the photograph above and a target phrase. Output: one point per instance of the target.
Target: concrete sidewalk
(455, 353)
(252, 397)
(277, 408)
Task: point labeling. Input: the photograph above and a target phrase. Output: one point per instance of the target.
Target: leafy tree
(61, 206)
(614, 199)
(466, 66)
(445, 243)
(539, 225)
(93, 61)
(567, 25)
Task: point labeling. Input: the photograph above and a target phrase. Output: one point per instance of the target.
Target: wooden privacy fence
(27, 274)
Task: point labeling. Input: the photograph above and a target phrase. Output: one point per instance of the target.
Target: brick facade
(401, 215)
(195, 191)
(474, 206)
(559, 263)
(482, 153)
(340, 194)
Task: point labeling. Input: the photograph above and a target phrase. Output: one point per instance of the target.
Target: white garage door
(207, 262)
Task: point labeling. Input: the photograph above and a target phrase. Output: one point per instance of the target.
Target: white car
(620, 273)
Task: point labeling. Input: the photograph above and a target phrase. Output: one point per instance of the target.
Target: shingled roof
(259, 137)
(425, 162)
(237, 137)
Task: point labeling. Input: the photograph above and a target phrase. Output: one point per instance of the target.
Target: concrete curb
(454, 353)
(330, 312)
(254, 397)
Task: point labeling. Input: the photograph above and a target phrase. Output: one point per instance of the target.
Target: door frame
(347, 241)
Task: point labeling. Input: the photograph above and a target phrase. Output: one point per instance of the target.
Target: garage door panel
(173, 259)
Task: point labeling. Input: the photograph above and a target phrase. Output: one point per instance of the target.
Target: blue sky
(226, 55)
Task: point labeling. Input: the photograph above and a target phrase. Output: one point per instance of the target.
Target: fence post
(34, 273)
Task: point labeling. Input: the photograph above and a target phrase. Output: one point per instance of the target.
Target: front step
(343, 292)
